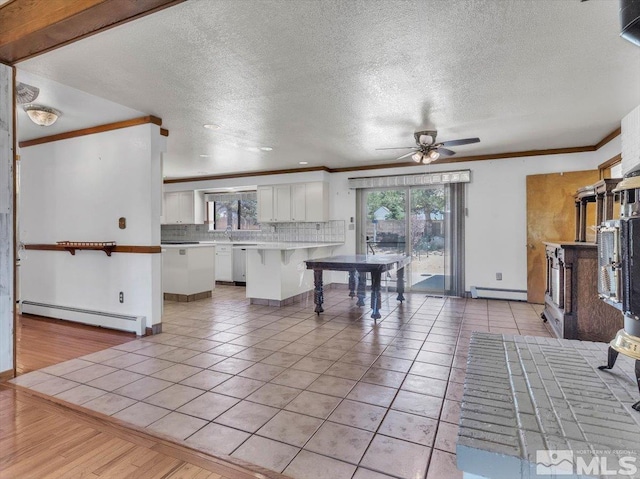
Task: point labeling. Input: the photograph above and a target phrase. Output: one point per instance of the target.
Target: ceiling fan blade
(445, 151)
(399, 148)
(466, 141)
(404, 156)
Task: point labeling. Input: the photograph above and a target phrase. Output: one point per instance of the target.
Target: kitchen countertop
(187, 245)
(257, 245)
(286, 246)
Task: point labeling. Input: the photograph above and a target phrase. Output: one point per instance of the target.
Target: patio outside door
(416, 221)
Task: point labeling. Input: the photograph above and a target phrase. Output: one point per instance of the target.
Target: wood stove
(619, 272)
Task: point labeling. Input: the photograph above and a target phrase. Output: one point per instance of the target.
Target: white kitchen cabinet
(265, 204)
(224, 262)
(299, 202)
(282, 202)
(317, 201)
(183, 207)
(188, 269)
(293, 202)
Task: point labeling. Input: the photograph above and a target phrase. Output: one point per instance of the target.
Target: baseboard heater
(498, 293)
(135, 324)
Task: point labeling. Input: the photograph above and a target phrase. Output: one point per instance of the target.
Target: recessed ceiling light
(304, 162)
(205, 156)
(266, 148)
(212, 126)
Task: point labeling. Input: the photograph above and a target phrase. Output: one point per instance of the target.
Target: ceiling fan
(427, 150)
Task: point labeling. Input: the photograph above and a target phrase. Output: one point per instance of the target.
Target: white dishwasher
(240, 265)
(224, 262)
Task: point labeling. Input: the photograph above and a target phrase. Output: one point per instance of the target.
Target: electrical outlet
(121, 297)
(499, 276)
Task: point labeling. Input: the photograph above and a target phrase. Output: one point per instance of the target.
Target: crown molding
(445, 160)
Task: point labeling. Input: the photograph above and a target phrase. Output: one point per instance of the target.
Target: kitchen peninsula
(188, 271)
(276, 272)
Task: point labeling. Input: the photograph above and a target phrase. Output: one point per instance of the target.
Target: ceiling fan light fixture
(434, 155)
(42, 115)
(417, 157)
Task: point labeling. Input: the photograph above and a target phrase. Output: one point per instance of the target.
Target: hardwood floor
(43, 440)
(42, 342)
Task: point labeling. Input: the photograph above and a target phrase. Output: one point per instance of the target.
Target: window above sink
(232, 211)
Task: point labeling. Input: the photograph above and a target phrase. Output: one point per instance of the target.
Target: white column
(7, 259)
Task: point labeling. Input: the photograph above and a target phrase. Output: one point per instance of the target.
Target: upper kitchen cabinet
(183, 207)
(317, 204)
(265, 204)
(295, 202)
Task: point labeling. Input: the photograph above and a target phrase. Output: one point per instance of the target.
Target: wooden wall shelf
(72, 246)
(112, 248)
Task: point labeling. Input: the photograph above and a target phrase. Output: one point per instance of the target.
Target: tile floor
(293, 392)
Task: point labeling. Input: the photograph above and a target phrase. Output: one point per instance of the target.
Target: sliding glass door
(424, 222)
(428, 248)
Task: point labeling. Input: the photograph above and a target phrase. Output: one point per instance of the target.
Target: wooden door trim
(611, 162)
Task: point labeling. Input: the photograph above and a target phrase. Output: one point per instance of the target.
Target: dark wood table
(358, 266)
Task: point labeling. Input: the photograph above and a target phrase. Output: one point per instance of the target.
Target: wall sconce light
(42, 115)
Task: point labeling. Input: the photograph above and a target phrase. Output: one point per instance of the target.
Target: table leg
(376, 296)
(318, 295)
(362, 285)
(400, 285)
(352, 283)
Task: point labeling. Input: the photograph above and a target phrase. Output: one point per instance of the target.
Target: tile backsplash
(330, 231)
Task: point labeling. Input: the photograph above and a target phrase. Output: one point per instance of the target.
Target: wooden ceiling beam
(32, 27)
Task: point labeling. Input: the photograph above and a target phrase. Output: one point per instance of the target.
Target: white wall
(631, 141)
(7, 259)
(495, 228)
(76, 190)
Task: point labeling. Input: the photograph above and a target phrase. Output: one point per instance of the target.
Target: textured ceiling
(327, 82)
